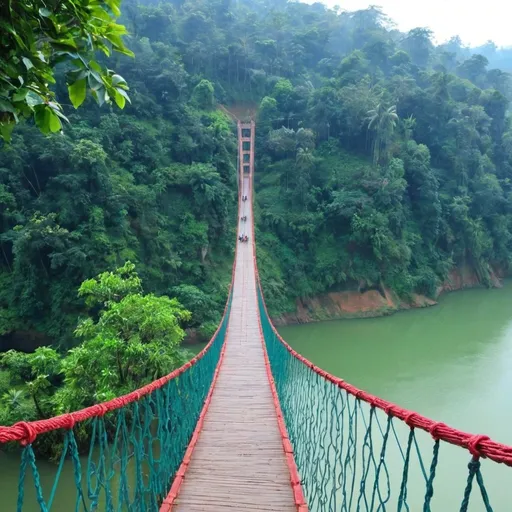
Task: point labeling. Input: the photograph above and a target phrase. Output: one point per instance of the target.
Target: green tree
(267, 114)
(203, 95)
(134, 339)
(35, 37)
(155, 183)
(418, 43)
(382, 122)
(40, 372)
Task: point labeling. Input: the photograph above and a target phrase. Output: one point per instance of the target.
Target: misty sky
(475, 22)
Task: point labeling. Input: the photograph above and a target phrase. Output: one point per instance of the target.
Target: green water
(451, 362)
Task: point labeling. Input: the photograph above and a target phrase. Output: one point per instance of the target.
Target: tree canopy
(36, 36)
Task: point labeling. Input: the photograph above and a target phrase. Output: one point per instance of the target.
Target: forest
(383, 159)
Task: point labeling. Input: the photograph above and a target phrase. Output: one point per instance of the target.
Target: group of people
(242, 237)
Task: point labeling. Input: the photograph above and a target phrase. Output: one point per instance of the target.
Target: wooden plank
(238, 463)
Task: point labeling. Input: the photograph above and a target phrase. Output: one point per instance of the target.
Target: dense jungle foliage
(154, 184)
(382, 160)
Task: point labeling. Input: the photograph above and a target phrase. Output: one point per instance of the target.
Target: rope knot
(473, 443)
(29, 433)
(390, 410)
(434, 429)
(102, 410)
(409, 418)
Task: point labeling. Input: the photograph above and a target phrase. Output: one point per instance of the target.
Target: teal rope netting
(136, 443)
(348, 444)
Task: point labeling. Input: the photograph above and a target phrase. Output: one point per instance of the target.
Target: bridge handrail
(478, 445)
(27, 432)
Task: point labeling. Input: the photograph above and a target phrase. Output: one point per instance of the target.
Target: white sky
(475, 22)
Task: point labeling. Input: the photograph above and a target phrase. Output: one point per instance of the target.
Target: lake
(451, 362)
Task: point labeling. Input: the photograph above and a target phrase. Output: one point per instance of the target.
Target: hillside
(383, 162)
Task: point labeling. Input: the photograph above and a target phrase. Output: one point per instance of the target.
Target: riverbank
(377, 302)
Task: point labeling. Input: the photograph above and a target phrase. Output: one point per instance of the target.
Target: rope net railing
(135, 443)
(355, 451)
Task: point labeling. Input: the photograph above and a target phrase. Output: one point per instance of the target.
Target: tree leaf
(95, 66)
(57, 109)
(103, 47)
(33, 99)
(117, 79)
(42, 118)
(48, 77)
(27, 62)
(20, 95)
(61, 115)
(54, 121)
(46, 13)
(77, 92)
(114, 6)
(124, 94)
(99, 95)
(125, 51)
(65, 45)
(6, 130)
(119, 99)
(95, 80)
(6, 106)
(101, 14)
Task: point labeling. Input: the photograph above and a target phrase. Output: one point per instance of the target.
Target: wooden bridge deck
(238, 462)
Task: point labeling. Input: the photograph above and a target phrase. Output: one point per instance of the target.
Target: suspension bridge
(251, 425)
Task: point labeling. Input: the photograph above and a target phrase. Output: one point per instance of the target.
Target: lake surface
(451, 362)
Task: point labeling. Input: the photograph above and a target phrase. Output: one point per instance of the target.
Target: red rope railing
(168, 503)
(295, 480)
(478, 445)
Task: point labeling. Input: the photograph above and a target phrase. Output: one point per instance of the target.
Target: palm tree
(304, 162)
(408, 124)
(382, 122)
(304, 159)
